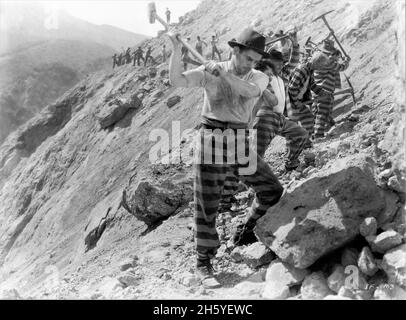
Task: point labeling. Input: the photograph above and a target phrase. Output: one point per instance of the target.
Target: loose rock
(190, 280)
(346, 292)
(284, 274)
(273, 292)
(369, 227)
(256, 255)
(128, 279)
(389, 292)
(337, 278)
(394, 265)
(384, 241)
(366, 262)
(279, 278)
(173, 101)
(314, 287)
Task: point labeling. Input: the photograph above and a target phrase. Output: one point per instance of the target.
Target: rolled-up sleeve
(261, 80)
(196, 77)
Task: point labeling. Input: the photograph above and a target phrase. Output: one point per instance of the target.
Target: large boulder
(116, 110)
(320, 215)
(151, 201)
(391, 207)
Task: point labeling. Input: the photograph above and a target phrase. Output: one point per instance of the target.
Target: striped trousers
(272, 124)
(305, 117)
(322, 108)
(209, 186)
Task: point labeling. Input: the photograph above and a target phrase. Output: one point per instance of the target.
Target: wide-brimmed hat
(250, 39)
(328, 47)
(275, 55)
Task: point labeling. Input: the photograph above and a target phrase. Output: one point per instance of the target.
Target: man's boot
(245, 233)
(205, 273)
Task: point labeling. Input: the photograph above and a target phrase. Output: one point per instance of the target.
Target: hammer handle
(185, 44)
(162, 21)
(277, 39)
(196, 54)
(192, 50)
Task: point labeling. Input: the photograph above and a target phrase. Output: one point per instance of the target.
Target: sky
(131, 15)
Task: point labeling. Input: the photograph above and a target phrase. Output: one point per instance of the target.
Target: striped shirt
(337, 80)
(300, 75)
(291, 64)
(327, 78)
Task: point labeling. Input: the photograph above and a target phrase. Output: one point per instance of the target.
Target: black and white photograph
(190, 150)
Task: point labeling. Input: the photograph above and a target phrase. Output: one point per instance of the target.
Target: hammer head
(322, 15)
(151, 12)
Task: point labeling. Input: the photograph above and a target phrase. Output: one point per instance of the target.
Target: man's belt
(216, 124)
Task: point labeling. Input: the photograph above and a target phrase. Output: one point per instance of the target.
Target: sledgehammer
(154, 16)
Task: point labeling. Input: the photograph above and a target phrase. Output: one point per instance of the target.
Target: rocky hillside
(39, 61)
(85, 214)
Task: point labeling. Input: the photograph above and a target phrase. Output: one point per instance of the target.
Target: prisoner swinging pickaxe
(323, 17)
(152, 15)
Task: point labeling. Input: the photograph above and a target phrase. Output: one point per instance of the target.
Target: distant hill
(41, 59)
(30, 24)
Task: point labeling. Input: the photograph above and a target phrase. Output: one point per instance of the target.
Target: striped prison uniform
(223, 108)
(271, 121)
(300, 80)
(210, 179)
(294, 137)
(269, 124)
(286, 73)
(325, 82)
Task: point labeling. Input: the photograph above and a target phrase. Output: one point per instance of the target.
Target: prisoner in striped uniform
(270, 121)
(300, 80)
(271, 124)
(229, 97)
(325, 80)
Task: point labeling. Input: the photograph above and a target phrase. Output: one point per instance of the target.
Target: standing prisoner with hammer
(229, 98)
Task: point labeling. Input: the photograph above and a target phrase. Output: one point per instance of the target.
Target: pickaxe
(309, 42)
(277, 39)
(323, 17)
(282, 37)
(154, 16)
(352, 89)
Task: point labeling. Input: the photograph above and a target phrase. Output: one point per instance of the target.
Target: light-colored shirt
(279, 88)
(221, 102)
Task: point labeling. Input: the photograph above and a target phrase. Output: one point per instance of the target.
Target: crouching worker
(270, 120)
(231, 89)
